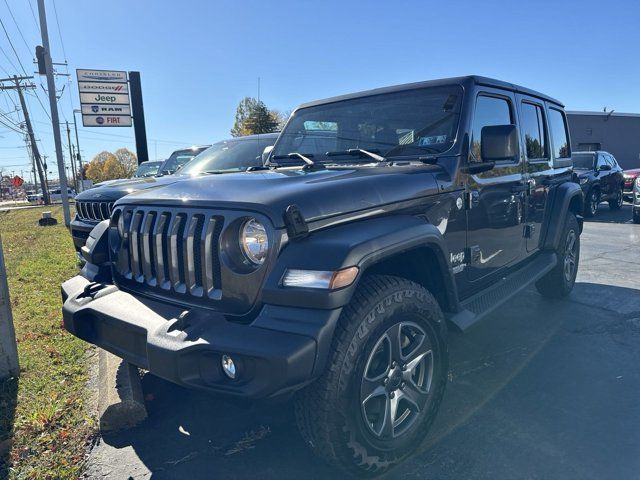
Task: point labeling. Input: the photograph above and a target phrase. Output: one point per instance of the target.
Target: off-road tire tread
(314, 404)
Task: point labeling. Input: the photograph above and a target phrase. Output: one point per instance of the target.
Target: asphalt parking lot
(539, 389)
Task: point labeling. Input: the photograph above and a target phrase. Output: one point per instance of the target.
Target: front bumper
(281, 350)
(80, 232)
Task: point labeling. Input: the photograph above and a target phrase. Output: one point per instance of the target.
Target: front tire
(559, 282)
(384, 381)
(636, 215)
(616, 203)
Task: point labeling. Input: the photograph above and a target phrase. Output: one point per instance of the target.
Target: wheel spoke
(413, 396)
(395, 337)
(390, 410)
(378, 354)
(417, 358)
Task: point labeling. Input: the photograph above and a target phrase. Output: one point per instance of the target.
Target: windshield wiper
(304, 158)
(358, 152)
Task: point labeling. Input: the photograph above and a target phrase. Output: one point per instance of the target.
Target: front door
(494, 219)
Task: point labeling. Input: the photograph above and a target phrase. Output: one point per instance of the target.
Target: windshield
(148, 169)
(229, 156)
(178, 159)
(410, 122)
(583, 161)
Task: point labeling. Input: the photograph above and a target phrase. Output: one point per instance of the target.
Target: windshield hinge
(297, 227)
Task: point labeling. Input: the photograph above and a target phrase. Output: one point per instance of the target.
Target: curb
(120, 398)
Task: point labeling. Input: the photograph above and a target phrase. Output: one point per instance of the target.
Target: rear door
(538, 166)
(494, 221)
(604, 177)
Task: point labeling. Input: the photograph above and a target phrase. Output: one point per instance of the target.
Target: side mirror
(499, 142)
(265, 153)
(604, 167)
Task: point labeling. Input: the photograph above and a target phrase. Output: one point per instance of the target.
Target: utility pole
(73, 163)
(55, 121)
(8, 349)
(78, 157)
(27, 120)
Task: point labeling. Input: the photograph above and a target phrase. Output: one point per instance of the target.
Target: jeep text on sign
(110, 98)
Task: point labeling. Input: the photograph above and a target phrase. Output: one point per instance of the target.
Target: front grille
(168, 250)
(94, 211)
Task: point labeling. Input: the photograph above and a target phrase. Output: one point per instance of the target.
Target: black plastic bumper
(80, 232)
(280, 351)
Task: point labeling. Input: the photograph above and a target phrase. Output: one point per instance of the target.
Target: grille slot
(170, 251)
(94, 211)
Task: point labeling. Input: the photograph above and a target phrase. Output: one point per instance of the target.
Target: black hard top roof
(462, 81)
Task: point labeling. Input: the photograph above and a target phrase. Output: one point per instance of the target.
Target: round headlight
(254, 241)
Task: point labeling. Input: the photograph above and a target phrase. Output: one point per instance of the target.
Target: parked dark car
(636, 201)
(148, 169)
(179, 158)
(601, 179)
(96, 204)
(629, 179)
(334, 272)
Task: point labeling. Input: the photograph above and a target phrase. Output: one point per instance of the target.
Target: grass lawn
(44, 426)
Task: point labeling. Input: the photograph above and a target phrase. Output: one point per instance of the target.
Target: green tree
(252, 117)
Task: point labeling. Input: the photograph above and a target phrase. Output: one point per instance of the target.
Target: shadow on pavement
(606, 215)
(8, 398)
(539, 389)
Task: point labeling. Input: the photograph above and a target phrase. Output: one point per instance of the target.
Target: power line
(55, 11)
(12, 47)
(17, 26)
(33, 14)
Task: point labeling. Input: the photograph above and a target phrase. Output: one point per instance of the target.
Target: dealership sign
(104, 98)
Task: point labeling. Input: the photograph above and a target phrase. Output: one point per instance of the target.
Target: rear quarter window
(559, 134)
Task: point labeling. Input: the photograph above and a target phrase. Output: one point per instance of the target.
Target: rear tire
(616, 203)
(377, 398)
(559, 282)
(591, 203)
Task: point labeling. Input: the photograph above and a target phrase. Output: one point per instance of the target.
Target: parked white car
(56, 195)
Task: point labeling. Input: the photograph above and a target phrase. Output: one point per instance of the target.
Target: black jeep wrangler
(333, 273)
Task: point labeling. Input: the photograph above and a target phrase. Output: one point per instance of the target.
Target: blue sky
(198, 59)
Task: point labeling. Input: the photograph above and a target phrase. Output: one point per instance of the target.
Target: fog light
(228, 367)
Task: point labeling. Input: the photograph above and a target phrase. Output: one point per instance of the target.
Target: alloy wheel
(593, 204)
(396, 382)
(570, 254)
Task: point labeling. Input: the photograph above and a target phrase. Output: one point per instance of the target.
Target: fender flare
(363, 244)
(567, 197)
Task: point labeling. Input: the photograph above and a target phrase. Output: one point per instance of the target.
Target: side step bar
(477, 306)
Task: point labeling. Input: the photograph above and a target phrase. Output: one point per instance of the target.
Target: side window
(489, 111)
(533, 128)
(601, 161)
(559, 135)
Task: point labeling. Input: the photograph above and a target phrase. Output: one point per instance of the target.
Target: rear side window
(489, 111)
(559, 135)
(533, 129)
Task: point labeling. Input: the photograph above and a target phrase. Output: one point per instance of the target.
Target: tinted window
(559, 135)
(489, 111)
(405, 123)
(583, 161)
(601, 161)
(532, 127)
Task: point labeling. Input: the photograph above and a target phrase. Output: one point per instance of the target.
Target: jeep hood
(117, 189)
(318, 194)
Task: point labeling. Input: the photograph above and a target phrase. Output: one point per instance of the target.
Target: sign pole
(8, 349)
(137, 109)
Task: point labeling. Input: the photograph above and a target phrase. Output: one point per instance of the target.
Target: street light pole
(53, 104)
